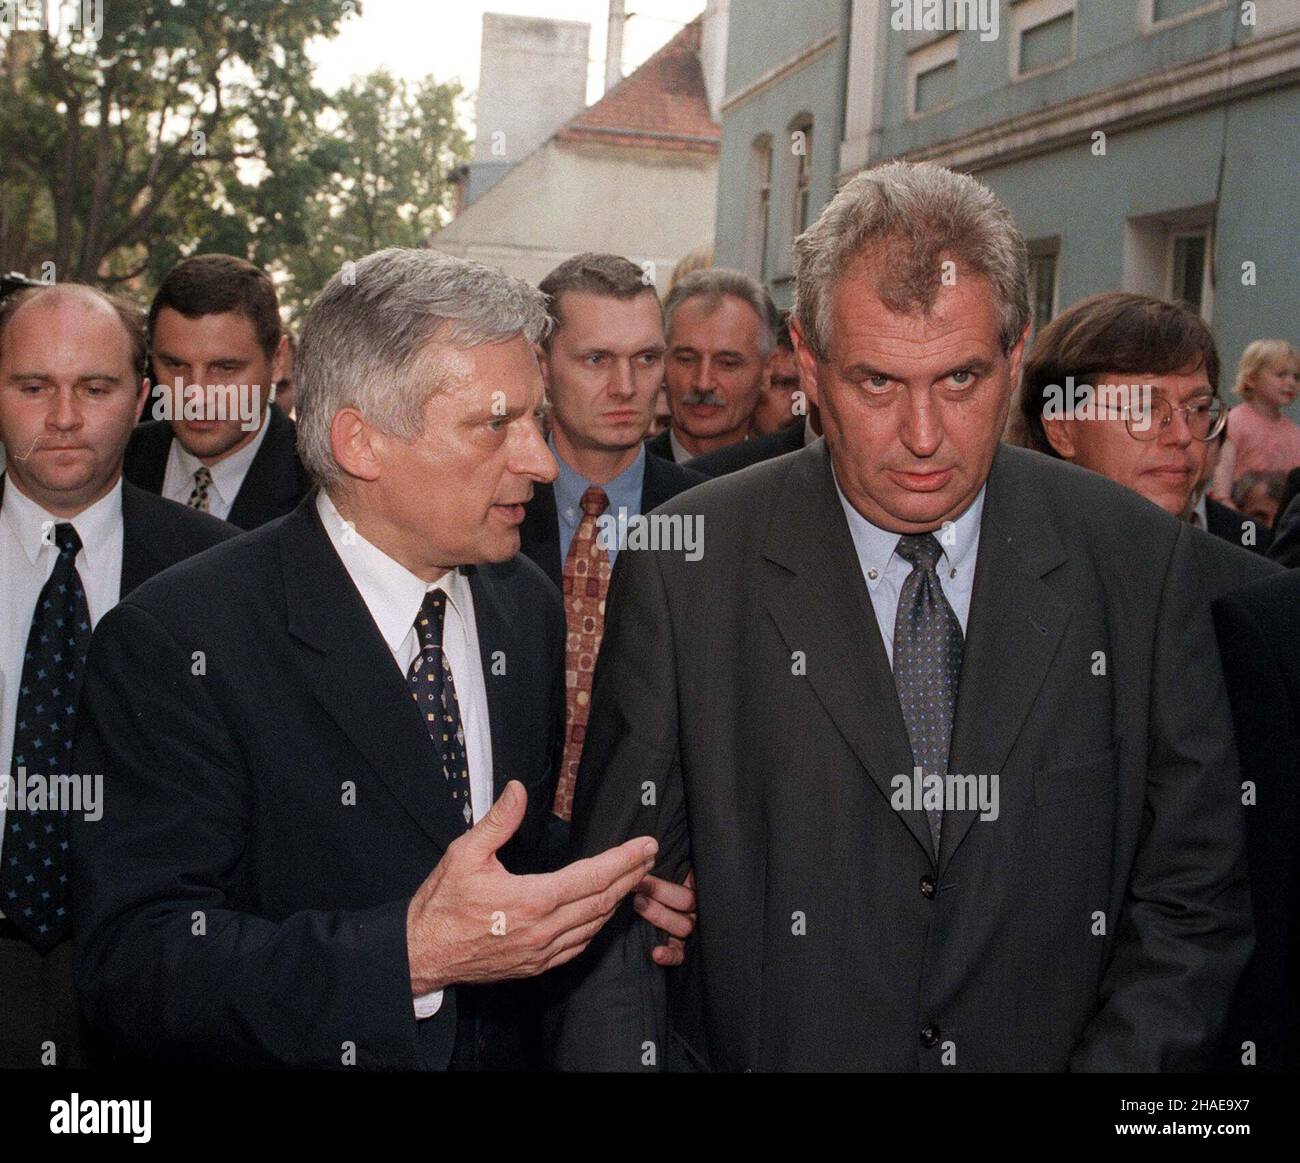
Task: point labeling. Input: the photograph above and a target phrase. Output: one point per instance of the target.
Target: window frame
(926, 59)
(1031, 14)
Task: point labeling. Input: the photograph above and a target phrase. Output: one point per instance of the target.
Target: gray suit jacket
(745, 714)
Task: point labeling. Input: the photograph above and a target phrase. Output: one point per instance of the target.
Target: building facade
(1146, 145)
(634, 174)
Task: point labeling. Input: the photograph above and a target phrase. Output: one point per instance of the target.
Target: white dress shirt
(393, 595)
(227, 474)
(885, 572)
(27, 557)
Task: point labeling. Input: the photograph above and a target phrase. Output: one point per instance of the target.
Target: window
(1189, 269)
(760, 206)
(1171, 256)
(801, 147)
(1042, 36)
(1043, 256)
(932, 76)
(1166, 10)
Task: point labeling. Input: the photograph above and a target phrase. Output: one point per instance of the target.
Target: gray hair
(914, 216)
(363, 337)
(716, 283)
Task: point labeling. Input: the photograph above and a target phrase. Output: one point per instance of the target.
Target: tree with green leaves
(192, 126)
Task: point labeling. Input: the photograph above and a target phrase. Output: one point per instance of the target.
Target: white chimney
(713, 53)
(614, 44)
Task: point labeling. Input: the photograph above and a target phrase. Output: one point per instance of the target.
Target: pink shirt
(1263, 445)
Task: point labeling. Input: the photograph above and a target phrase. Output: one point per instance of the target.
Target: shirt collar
(227, 474)
(875, 546)
(623, 489)
(392, 593)
(95, 525)
(680, 454)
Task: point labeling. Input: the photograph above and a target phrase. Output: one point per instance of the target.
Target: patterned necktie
(586, 582)
(34, 860)
(435, 694)
(202, 484)
(927, 662)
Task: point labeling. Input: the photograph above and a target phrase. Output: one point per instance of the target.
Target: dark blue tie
(34, 860)
(927, 661)
(435, 695)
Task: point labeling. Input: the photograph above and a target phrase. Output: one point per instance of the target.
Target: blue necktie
(34, 861)
(927, 662)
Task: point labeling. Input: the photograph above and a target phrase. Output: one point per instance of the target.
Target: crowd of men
(456, 722)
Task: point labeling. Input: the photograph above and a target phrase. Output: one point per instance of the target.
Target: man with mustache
(74, 538)
(722, 328)
(332, 854)
(938, 724)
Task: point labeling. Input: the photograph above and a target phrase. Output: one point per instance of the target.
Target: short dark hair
(212, 284)
(607, 275)
(783, 339)
(1116, 332)
(131, 317)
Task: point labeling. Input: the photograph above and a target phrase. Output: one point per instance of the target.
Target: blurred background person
(1261, 438)
(779, 406)
(721, 327)
(1158, 434)
(215, 321)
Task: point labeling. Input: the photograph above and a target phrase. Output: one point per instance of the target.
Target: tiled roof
(663, 105)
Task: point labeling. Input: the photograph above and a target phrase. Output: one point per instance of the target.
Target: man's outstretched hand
(670, 907)
(472, 921)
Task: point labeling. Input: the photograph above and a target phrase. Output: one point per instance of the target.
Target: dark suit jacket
(1099, 923)
(1259, 638)
(737, 456)
(661, 445)
(276, 480)
(1232, 526)
(291, 803)
(158, 533)
(1285, 549)
(539, 536)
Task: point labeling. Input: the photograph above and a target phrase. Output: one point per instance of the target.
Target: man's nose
(1178, 431)
(920, 429)
(534, 458)
(622, 385)
(65, 412)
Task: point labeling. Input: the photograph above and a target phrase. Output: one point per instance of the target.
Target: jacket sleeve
(613, 1009)
(167, 967)
(1184, 931)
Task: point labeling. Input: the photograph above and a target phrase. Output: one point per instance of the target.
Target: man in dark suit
(937, 724)
(755, 450)
(217, 442)
(307, 868)
(721, 328)
(74, 538)
(602, 363)
(1259, 638)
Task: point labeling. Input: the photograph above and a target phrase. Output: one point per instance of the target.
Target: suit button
(930, 1036)
(927, 887)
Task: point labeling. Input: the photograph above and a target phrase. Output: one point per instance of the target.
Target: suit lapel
(271, 482)
(1015, 626)
(539, 535)
(141, 556)
(356, 681)
(819, 601)
(496, 619)
(657, 485)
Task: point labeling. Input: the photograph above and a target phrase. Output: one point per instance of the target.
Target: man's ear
(280, 364)
(807, 361)
(356, 446)
(1060, 435)
(145, 388)
(1017, 355)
